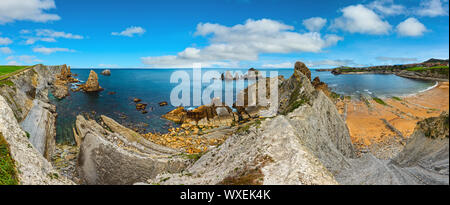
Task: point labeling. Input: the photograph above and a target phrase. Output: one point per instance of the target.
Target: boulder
(106, 72)
(164, 103)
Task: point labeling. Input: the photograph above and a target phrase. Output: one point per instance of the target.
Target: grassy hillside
(8, 174)
(5, 69)
(436, 69)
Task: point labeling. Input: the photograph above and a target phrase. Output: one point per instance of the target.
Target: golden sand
(367, 127)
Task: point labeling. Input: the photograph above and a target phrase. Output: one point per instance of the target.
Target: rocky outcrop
(91, 84)
(424, 160)
(205, 115)
(60, 87)
(32, 167)
(319, 85)
(299, 66)
(106, 72)
(113, 154)
(28, 99)
(307, 145)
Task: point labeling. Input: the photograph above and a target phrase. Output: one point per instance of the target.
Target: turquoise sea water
(153, 86)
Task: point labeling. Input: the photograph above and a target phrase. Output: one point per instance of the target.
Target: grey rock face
(111, 158)
(32, 167)
(28, 99)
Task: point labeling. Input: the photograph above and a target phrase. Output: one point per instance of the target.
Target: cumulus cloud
(360, 19)
(47, 35)
(328, 62)
(56, 34)
(107, 65)
(5, 50)
(229, 45)
(279, 65)
(47, 51)
(411, 27)
(387, 7)
(432, 8)
(23, 59)
(30, 10)
(5, 41)
(130, 32)
(396, 59)
(314, 24)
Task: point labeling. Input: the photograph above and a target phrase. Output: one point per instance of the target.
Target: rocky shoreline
(305, 141)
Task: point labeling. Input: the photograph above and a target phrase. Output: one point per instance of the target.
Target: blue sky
(227, 33)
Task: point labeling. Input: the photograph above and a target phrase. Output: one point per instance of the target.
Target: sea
(153, 86)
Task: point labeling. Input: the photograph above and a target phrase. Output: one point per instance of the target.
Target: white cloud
(432, 8)
(56, 34)
(397, 59)
(5, 41)
(360, 19)
(107, 65)
(314, 24)
(5, 50)
(329, 63)
(23, 59)
(24, 31)
(229, 45)
(47, 51)
(32, 40)
(411, 27)
(47, 35)
(387, 7)
(279, 65)
(130, 32)
(31, 10)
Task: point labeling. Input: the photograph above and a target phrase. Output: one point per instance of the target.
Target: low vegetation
(6, 82)
(9, 69)
(397, 98)
(379, 101)
(435, 69)
(8, 173)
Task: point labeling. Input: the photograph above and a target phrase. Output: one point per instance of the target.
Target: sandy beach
(372, 123)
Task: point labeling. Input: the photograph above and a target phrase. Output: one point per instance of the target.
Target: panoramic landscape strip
(241, 95)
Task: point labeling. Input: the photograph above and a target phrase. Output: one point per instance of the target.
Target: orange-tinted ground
(365, 121)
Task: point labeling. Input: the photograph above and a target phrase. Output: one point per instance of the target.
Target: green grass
(397, 98)
(379, 101)
(435, 69)
(8, 173)
(6, 82)
(5, 69)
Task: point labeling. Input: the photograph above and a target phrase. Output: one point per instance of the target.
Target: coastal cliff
(433, 69)
(309, 143)
(27, 96)
(28, 124)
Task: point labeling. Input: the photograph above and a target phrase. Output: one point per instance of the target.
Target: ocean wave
(424, 90)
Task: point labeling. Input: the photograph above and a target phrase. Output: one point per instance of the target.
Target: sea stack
(106, 72)
(92, 84)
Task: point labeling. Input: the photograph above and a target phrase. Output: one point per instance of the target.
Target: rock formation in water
(92, 84)
(106, 72)
(321, 86)
(60, 87)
